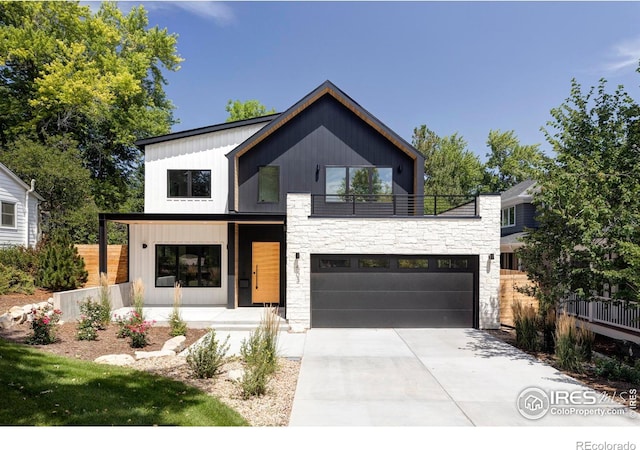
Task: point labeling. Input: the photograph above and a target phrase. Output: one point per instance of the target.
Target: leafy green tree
(449, 167)
(96, 78)
(589, 201)
(509, 162)
(239, 110)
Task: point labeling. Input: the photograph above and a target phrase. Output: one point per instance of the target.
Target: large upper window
(269, 184)
(8, 214)
(359, 183)
(509, 216)
(189, 183)
(191, 265)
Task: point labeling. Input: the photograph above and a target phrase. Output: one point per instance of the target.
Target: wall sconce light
(400, 168)
(317, 172)
(297, 255)
(491, 256)
(144, 245)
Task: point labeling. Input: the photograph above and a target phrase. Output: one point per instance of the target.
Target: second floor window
(509, 216)
(189, 183)
(359, 184)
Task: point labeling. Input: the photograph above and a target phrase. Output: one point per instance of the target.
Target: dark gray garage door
(383, 291)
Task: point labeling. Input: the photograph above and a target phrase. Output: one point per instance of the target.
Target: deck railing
(619, 314)
(399, 205)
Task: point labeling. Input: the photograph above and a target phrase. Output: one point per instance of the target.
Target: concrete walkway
(426, 377)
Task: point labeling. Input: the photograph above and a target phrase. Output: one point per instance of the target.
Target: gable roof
(19, 181)
(520, 193)
(204, 130)
(326, 88)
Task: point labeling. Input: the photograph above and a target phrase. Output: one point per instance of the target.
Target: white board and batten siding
(201, 152)
(14, 192)
(142, 260)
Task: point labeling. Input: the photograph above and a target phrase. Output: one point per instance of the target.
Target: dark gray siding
(324, 134)
(525, 218)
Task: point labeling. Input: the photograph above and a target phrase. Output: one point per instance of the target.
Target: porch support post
(102, 244)
(231, 265)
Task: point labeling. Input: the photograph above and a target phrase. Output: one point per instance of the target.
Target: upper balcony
(400, 205)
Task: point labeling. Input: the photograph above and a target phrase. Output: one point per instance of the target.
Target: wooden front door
(265, 257)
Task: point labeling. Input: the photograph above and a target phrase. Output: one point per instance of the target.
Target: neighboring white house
(19, 210)
(320, 209)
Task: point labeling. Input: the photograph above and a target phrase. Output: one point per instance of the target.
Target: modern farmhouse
(320, 209)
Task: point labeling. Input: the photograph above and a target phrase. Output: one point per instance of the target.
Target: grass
(41, 389)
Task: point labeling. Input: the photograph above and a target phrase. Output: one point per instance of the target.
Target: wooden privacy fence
(509, 280)
(117, 263)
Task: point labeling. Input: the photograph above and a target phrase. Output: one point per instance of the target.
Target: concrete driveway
(422, 377)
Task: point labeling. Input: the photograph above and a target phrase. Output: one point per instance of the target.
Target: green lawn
(37, 388)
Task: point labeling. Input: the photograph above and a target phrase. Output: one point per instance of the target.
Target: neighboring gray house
(19, 210)
(518, 213)
(319, 209)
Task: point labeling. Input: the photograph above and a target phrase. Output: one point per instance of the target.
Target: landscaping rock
(6, 321)
(175, 344)
(26, 308)
(116, 360)
(42, 305)
(17, 314)
(156, 354)
(235, 374)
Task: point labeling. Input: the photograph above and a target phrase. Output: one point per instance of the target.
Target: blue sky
(465, 67)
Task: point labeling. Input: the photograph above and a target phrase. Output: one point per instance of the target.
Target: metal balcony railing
(399, 205)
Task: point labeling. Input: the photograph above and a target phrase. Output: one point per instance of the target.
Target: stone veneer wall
(420, 236)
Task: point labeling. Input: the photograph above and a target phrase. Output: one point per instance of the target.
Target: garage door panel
(373, 281)
(391, 300)
(394, 297)
(357, 318)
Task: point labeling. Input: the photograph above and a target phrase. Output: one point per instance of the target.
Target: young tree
(589, 201)
(449, 167)
(509, 162)
(248, 109)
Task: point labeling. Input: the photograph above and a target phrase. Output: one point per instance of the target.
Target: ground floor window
(191, 265)
(8, 215)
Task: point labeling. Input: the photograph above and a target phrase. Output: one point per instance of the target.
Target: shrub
(24, 259)
(569, 351)
(43, 325)
(15, 281)
(137, 297)
(138, 333)
(526, 324)
(178, 326)
(90, 320)
(207, 357)
(617, 371)
(61, 268)
(584, 343)
(105, 302)
(260, 354)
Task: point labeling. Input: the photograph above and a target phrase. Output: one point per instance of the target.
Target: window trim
(177, 272)
(264, 201)
(14, 215)
(189, 184)
(508, 215)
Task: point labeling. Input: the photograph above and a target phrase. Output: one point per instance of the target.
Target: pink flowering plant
(43, 325)
(135, 327)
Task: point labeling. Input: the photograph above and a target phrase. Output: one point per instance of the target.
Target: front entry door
(265, 257)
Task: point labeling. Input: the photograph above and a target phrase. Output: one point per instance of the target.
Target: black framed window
(191, 265)
(359, 183)
(269, 184)
(189, 183)
(8, 215)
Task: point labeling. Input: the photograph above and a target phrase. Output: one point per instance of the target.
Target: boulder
(235, 374)
(27, 308)
(156, 354)
(17, 314)
(6, 321)
(115, 360)
(43, 305)
(175, 344)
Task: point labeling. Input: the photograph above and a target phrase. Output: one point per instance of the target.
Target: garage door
(399, 291)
